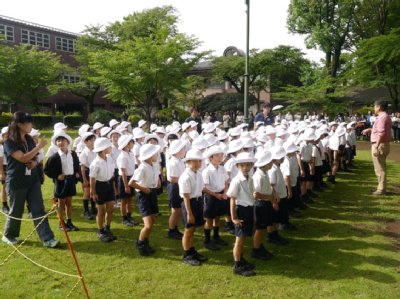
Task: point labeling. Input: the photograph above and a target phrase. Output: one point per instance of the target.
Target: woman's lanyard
(26, 148)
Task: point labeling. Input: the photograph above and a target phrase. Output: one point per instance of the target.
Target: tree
(192, 91)
(377, 64)
(327, 24)
(225, 102)
(143, 60)
(27, 74)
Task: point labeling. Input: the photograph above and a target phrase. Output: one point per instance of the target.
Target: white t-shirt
(290, 168)
(261, 182)
(175, 167)
(305, 151)
(3, 155)
(317, 156)
(231, 168)
(86, 157)
(214, 178)
(242, 189)
(67, 163)
(126, 160)
(191, 182)
(276, 178)
(102, 170)
(145, 176)
(114, 154)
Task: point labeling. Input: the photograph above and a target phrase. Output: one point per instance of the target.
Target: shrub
(103, 116)
(134, 119)
(5, 119)
(41, 121)
(182, 114)
(73, 120)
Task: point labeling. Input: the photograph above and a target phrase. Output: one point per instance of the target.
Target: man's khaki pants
(380, 164)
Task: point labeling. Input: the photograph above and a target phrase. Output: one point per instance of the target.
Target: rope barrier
(27, 219)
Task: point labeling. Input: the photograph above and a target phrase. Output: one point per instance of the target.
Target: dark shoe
(132, 221)
(105, 238)
(210, 245)
(150, 249)
(324, 185)
(277, 239)
(72, 227)
(125, 221)
(246, 264)
(302, 205)
(199, 257)
(87, 215)
(219, 241)
(261, 254)
(141, 247)
(191, 260)
(110, 234)
(230, 228)
(295, 214)
(174, 235)
(6, 209)
(243, 271)
(287, 227)
(66, 228)
(312, 194)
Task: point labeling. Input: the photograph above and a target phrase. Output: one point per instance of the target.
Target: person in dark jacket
(63, 168)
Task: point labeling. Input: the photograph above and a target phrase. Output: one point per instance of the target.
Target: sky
(217, 23)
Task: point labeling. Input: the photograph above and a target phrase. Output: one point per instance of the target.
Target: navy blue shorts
(213, 207)
(348, 152)
(174, 199)
(263, 213)
(65, 188)
(147, 203)
(307, 176)
(121, 188)
(4, 171)
(283, 212)
(227, 206)
(105, 192)
(247, 215)
(326, 166)
(196, 205)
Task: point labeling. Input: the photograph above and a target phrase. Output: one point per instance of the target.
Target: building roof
(35, 25)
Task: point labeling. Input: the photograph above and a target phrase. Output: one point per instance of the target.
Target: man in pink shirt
(381, 135)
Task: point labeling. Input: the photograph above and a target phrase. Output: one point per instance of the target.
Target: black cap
(20, 117)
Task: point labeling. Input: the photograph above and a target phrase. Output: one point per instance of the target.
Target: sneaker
(191, 260)
(219, 241)
(87, 215)
(261, 254)
(247, 264)
(277, 239)
(243, 271)
(6, 209)
(131, 220)
(295, 214)
(141, 247)
(287, 226)
(150, 249)
(199, 257)
(9, 241)
(302, 205)
(105, 238)
(72, 227)
(210, 245)
(125, 221)
(230, 228)
(110, 234)
(52, 243)
(66, 227)
(174, 234)
(312, 194)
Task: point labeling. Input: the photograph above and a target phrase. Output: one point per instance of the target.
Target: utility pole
(246, 71)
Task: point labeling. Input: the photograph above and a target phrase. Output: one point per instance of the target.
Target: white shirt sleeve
(93, 170)
(83, 159)
(234, 189)
(285, 168)
(184, 185)
(257, 182)
(272, 176)
(206, 177)
(173, 169)
(138, 174)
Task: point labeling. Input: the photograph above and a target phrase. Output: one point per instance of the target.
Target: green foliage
(182, 114)
(142, 60)
(365, 109)
(5, 118)
(134, 119)
(73, 120)
(225, 102)
(41, 120)
(192, 91)
(27, 73)
(377, 64)
(102, 116)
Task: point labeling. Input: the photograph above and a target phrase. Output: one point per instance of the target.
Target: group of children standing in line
(253, 179)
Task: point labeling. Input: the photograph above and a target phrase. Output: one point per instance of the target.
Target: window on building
(7, 32)
(71, 78)
(65, 44)
(35, 38)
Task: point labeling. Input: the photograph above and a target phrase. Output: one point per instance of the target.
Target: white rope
(39, 265)
(73, 288)
(28, 219)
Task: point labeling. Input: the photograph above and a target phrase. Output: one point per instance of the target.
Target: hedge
(73, 120)
(182, 114)
(41, 121)
(5, 119)
(102, 116)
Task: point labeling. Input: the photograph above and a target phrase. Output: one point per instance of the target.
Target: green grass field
(341, 249)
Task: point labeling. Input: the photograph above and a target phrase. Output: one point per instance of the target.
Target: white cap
(104, 131)
(340, 131)
(210, 139)
(209, 128)
(60, 133)
(235, 145)
(278, 152)
(176, 146)
(138, 133)
(101, 144)
(152, 136)
(309, 134)
(281, 133)
(113, 132)
(245, 158)
(97, 125)
(34, 132)
(193, 123)
(217, 123)
(153, 127)
(125, 124)
(193, 154)
(290, 147)
(141, 123)
(113, 122)
(263, 159)
(333, 123)
(185, 126)
(199, 143)
(248, 143)
(124, 141)
(147, 151)
(270, 130)
(222, 135)
(235, 131)
(262, 137)
(59, 126)
(215, 149)
(160, 130)
(83, 129)
(87, 135)
(4, 130)
(193, 134)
